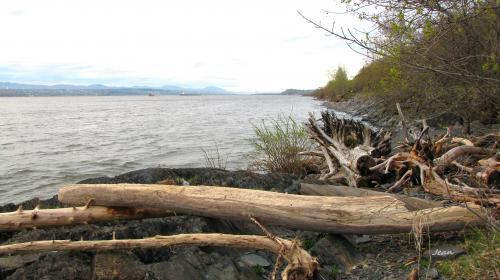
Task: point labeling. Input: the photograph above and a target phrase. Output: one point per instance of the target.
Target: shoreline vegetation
(438, 59)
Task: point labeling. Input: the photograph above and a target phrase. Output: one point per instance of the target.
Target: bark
(345, 215)
(435, 184)
(490, 177)
(37, 218)
(463, 141)
(493, 162)
(329, 163)
(400, 183)
(300, 264)
(460, 151)
(411, 203)
(360, 161)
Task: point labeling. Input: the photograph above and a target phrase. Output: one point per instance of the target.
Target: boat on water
(151, 94)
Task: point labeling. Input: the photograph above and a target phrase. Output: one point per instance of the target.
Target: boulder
(254, 259)
(117, 265)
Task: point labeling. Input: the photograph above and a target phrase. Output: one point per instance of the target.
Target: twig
(401, 181)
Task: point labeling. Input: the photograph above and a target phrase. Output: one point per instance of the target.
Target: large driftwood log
(411, 203)
(345, 215)
(38, 218)
(300, 264)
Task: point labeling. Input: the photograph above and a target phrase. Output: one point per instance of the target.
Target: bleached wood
(411, 203)
(42, 218)
(300, 264)
(349, 215)
(457, 152)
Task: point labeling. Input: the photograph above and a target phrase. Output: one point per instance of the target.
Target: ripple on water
(52, 141)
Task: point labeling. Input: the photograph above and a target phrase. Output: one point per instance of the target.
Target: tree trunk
(345, 215)
(411, 203)
(300, 264)
(23, 219)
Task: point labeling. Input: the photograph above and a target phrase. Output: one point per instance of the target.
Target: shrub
(277, 144)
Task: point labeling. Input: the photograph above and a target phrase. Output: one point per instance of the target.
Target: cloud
(16, 13)
(245, 46)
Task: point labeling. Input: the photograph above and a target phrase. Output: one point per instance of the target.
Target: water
(46, 142)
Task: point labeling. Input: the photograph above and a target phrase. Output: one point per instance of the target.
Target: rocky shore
(341, 257)
(376, 112)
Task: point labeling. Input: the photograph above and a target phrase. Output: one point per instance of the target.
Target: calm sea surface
(46, 142)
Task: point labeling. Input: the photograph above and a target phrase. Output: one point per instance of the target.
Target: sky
(241, 46)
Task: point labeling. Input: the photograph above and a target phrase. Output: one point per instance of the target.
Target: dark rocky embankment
(341, 257)
(165, 263)
(379, 113)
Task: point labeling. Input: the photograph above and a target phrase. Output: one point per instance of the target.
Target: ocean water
(46, 142)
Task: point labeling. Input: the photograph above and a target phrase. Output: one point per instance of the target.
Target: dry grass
(214, 158)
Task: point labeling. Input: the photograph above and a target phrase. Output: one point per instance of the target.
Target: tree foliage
(338, 87)
(437, 55)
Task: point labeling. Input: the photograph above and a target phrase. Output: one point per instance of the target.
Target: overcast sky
(258, 45)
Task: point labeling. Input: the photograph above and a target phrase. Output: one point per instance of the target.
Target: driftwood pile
(457, 169)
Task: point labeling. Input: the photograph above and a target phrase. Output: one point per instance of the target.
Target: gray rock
(254, 260)
(444, 252)
(15, 262)
(176, 268)
(336, 249)
(62, 265)
(117, 265)
(359, 238)
(222, 271)
(433, 273)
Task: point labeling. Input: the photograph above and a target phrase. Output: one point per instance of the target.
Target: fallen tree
(345, 215)
(42, 218)
(411, 203)
(300, 264)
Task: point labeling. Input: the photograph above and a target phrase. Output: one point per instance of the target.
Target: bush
(277, 144)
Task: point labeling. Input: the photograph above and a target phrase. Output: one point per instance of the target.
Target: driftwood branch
(399, 183)
(345, 215)
(42, 218)
(300, 264)
(329, 163)
(460, 151)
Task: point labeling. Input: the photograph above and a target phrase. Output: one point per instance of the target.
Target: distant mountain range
(18, 89)
(292, 91)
